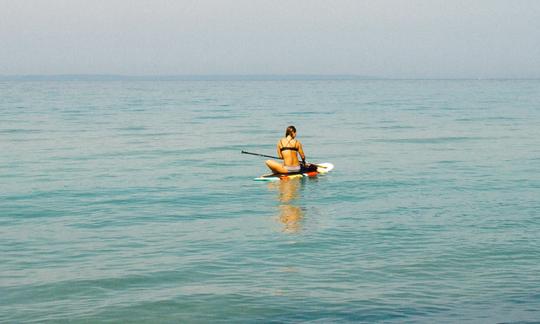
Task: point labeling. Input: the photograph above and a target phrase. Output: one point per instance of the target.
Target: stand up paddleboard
(322, 168)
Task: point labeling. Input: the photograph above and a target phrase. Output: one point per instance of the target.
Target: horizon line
(226, 77)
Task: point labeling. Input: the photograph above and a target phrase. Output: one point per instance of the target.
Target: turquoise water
(130, 202)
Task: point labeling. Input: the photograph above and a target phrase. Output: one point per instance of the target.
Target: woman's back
(288, 148)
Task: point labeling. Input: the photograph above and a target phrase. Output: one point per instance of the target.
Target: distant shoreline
(224, 77)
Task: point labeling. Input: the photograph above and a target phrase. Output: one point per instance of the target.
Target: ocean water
(129, 201)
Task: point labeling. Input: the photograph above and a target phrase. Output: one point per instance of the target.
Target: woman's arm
(279, 150)
(301, 152)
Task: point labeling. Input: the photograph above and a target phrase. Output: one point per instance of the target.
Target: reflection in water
(290, 215)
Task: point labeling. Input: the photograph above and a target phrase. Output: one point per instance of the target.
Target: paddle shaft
(269, 156)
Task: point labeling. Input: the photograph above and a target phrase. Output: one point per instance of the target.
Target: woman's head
(291, 130)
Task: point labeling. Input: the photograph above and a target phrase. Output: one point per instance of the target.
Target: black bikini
(291, 169)
(288, 148)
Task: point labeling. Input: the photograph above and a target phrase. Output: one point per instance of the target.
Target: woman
(288, 149)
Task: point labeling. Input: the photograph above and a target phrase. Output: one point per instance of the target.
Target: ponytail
(291, 129)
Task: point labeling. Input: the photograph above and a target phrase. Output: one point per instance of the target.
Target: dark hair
(291, 129)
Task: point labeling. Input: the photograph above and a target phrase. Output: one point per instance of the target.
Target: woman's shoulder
(289, 143)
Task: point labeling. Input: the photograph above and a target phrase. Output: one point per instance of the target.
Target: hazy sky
(387, 38)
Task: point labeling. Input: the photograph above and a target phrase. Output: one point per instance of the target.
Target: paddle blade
(324, 167)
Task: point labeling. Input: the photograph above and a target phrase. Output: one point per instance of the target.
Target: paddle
(275, 157)
(270, 156)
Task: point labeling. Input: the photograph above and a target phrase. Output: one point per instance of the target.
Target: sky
(378, 38)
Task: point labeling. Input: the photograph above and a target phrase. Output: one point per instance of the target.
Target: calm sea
(129, 201)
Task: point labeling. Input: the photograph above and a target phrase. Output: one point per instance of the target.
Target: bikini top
(288, 148)
(284, 148)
